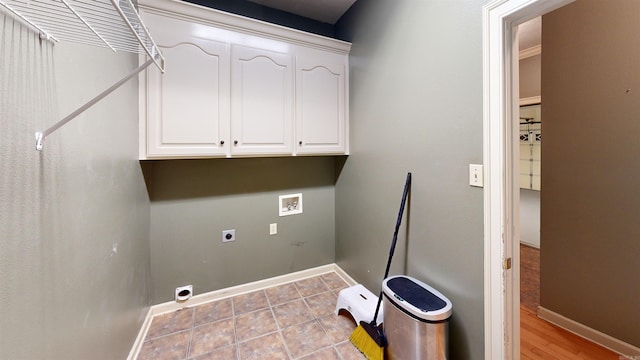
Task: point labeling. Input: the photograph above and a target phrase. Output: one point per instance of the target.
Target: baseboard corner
(137, 344)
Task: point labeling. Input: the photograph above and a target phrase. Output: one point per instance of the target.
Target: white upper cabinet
(187, 107)
(261, 102)
(235, 86)
(321, 110)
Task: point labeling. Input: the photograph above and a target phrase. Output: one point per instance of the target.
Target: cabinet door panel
(190, 101)
(187, 106)
(261, 93)
(320, 106)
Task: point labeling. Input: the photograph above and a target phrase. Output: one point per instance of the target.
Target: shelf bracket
(38, 29)
(41, 135)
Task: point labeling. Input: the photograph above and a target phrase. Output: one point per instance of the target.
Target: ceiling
(330, 11)
(326, 11)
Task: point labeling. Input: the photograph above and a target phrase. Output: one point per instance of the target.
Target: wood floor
(538, 338)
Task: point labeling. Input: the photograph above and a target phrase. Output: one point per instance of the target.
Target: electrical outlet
(184, 293)
(228, 235)
(290, 204)
(273, 229)
(475, 175)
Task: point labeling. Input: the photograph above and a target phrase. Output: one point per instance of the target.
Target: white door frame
(501, 189)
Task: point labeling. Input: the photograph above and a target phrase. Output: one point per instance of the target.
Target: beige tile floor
(290, 321)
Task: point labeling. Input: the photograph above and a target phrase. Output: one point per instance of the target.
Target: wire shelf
(107, 23)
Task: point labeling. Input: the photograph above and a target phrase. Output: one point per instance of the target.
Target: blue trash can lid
(417, 298)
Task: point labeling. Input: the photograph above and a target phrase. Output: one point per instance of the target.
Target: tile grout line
(235, 330)
(278, 327)
(335, 347)
(277, 331)
(316, 318)
(336, 293)
(286, 346)
(333, 343)
(304, 300)
(193, 320)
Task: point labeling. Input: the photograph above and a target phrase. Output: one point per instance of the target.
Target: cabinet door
(188, 105)
(261, 102)
(320, 106)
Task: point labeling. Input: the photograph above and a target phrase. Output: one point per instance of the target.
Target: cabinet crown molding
(212, 17)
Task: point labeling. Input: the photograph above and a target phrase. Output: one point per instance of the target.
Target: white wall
(530, 84)
(530, 217)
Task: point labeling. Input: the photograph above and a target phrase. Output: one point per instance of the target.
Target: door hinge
(506, 264)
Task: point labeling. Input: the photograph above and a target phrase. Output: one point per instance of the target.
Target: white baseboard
(346, 277)
(590, 334)
(230, 292)
(137, 344)
(524, 242)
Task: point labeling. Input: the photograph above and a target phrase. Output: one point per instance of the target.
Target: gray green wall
(193, 201)
(416, 105)
(74, 219)
(590, 203)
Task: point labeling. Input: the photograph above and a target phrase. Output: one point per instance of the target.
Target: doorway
(529, 174)
(537, 336)
(502, 288)
(608, 211)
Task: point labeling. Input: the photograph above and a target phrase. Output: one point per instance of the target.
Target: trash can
(416, 320)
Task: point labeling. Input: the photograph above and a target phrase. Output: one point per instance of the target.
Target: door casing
(501, 188)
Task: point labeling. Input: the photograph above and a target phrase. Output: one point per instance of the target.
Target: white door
(320, 106)
(261, 102)
(188, 105)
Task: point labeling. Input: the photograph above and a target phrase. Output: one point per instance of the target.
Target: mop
(368, 336)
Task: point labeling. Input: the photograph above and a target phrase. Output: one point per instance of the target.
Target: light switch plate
(475, 175)
(273, 229)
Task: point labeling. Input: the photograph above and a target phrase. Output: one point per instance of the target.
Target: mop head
(368, 338)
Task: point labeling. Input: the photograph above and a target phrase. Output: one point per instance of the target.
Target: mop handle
(407, 184)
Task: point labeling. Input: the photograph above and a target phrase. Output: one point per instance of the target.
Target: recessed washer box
(290, 204)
